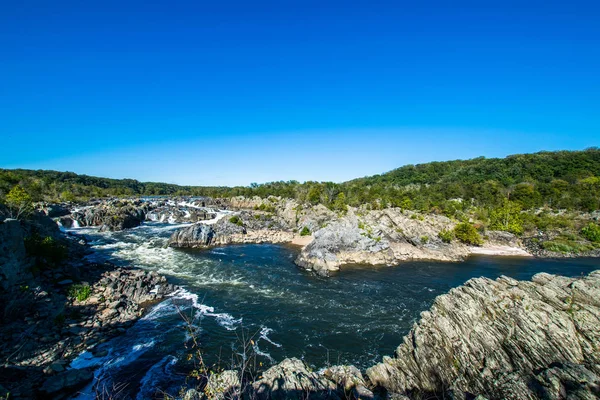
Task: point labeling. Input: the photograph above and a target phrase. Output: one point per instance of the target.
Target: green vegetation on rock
(236, 220)
(591, 232)
(446, 236)
(47, 251)
(80, 292)
(305, 231)
(466, 233)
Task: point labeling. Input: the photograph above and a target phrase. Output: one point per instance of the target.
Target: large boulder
(113, 215)
(66, 382)
(503, 339)
(223, 385)
(291, 379)
(197, 235)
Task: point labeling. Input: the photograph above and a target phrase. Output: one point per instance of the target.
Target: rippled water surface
(355, 316)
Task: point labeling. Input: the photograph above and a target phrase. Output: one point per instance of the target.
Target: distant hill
(562, 179)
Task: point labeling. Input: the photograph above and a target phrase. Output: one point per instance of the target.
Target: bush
(424, 239)
(591, 232)
(80, 292)
(236, 220)
(305, 231)
(466, 233)
(565, 245)
(446, 236)
(47, 250)
(265, 207)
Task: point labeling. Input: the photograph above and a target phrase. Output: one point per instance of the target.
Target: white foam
(264, 332)
(86, 359)
(158, 373)
(225, 320)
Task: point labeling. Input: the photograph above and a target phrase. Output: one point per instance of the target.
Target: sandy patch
(500, 251)
(302, 240)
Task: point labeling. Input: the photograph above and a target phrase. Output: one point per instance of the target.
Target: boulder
(291, 379)
(224, 385)
(68, 380)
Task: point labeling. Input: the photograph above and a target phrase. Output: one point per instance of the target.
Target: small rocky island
(356, 236)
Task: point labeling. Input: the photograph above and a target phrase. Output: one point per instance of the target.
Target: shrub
(466, 233)
(565, 245)
(266, 207)
(47, 250)
(305, 231)
(424, 239)
(591, 232)
(339, 203)
(236, 220)
(80, 292)
(446, 236)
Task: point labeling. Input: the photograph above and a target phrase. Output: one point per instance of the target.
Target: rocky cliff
(503, 339)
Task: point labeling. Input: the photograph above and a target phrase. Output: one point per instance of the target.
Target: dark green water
(355, 316)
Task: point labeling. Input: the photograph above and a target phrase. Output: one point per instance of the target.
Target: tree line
(558, 180)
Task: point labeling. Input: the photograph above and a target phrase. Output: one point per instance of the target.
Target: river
(238, 293)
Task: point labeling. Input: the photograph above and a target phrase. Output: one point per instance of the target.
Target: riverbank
(53, 310)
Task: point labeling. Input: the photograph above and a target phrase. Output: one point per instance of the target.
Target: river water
(257, 292)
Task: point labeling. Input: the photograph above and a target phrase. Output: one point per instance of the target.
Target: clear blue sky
(227, 92)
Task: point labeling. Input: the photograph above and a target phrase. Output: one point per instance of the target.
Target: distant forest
(559, 180)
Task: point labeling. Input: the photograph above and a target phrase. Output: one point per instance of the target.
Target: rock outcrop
(291, 379)
(113, 215)
(379, 237)
(244, 227)
(503, 339)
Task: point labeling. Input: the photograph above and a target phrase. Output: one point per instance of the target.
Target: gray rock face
(349, 379)
(224, 385)
(332, 243)
(384, 237)
(291, 379)
(249, 227)
(503, 339)
(113, 215)
(197, 235)
(70, 380)
(12, 253)
(55, 210)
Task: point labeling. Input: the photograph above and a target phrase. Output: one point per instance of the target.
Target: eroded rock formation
(503, 339)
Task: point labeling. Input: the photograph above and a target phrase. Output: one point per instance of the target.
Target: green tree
(507, 218)
(67, 195)
(18, 202)
(466, 233)
(340, 202)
